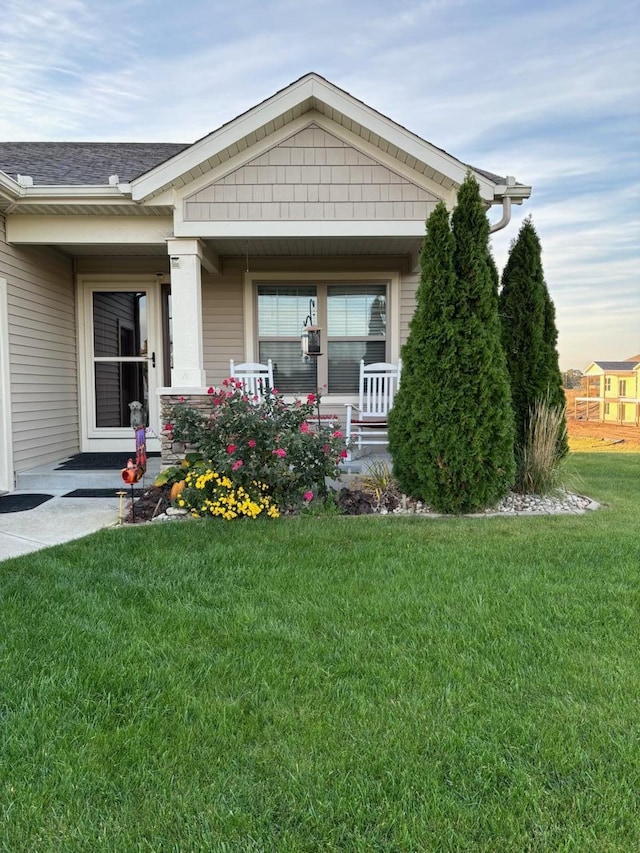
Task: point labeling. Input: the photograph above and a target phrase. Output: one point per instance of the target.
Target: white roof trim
(289, 229)
(102, 191)
(310, 86)
(10, 187)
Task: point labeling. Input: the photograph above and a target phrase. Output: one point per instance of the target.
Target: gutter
(509, 193)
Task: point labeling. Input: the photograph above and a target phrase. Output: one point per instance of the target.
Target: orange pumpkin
(176, 489)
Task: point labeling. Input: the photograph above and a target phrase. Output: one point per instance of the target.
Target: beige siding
(42, 353)
(222, 324)
(313, 175)
(408, 287)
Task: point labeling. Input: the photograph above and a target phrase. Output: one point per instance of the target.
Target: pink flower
(226, 382)
(181, 399)
(337, 434)
(274, 391)
(238, 384)
(169, 427)
(308, 496)
(304, 427)
(245, 399)
(344, 454)
(231, 449)
(311, 398)
(251, 443)
(279, 452)
(237, 464)
(210, 390)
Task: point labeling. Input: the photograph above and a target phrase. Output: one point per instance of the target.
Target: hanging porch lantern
(310, 337)
(310, 341)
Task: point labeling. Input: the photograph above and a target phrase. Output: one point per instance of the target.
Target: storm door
(125, 361)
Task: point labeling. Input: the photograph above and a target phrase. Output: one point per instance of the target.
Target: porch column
(186, 312)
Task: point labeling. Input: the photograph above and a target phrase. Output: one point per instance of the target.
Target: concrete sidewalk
(56, 521)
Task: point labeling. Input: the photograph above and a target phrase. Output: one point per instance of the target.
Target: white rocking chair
(255, 377)
(367, 422)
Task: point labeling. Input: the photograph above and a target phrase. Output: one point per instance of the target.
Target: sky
(547, 91)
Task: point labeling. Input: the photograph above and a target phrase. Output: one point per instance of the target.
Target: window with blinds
(282, 312)
(353, 318)
(356, 329)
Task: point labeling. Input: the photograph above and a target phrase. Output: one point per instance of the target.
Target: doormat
(20, 503)
(100, 461)
(103, 493)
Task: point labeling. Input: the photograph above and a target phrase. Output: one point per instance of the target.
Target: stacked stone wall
(173, 451)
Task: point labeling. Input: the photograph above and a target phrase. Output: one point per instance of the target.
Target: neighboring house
(612, 392)
(136, 271)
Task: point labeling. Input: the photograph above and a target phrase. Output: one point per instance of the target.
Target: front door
(124, 363)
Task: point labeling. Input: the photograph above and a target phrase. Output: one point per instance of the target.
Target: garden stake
(121, 495)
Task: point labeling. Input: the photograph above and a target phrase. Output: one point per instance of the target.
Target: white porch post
(186, 310)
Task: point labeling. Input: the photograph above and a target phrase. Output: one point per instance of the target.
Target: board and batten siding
(42, 353)
(313, 175)
(222, 324)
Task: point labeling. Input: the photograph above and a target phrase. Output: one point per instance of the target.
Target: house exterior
(612, 392)
(135, 272)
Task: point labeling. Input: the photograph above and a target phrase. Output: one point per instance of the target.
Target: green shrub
(283, 446)
(451, 426)
(529, 335)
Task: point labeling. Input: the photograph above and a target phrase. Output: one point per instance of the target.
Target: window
(607, 408)
(622, 388)
(353, 319)
(607, 383)
(282, 312)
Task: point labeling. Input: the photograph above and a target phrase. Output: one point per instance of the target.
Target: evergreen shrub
(451, 427)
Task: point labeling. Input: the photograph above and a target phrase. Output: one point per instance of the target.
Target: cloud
(547, 92)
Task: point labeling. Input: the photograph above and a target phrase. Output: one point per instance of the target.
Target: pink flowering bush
(282, 445)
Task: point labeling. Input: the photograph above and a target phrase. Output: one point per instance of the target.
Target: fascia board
(594, 369)
(300, 228)
(9, 187)
(399, 136)
(84, 192)
(220, 139)
(517, 193)
(289, 98)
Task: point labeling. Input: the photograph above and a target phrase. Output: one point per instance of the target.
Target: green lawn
(329, 684)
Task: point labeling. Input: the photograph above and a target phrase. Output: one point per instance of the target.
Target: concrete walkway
(56, 521)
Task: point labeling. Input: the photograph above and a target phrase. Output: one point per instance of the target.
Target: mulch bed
(155, 500)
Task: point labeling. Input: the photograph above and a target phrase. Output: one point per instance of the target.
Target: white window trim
(250, 307)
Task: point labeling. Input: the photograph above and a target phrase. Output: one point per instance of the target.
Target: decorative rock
(561, 503)
(173, 511)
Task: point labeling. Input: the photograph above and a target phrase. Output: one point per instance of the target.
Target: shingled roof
(616, 366)
(82, 163)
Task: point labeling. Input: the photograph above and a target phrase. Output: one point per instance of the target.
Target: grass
(538, 461)
(329, 684)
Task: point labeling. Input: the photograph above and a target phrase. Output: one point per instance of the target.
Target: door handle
(152, 359)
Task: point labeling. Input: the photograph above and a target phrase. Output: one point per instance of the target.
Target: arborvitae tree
(529, 334)
(451, 426)
(413, 437)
